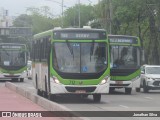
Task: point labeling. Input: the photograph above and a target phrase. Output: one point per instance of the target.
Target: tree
(71, 16)
(23, 21)
(136, 18)
(38, 19)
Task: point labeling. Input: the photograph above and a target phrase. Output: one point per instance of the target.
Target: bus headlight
(56, 80)
(104, 80)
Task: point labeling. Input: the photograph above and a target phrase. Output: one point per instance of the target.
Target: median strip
(45, 103)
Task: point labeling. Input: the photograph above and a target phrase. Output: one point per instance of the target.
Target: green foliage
(71, 15)
(38, 20)
(23, 21)
(133, 17)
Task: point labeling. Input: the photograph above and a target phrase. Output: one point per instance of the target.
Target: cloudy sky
(17, 7)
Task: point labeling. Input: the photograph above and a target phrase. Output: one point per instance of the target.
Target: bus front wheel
(128, 90)
(51, 97)
(111, 89)
(21, 79)
(97, 97)
(138, 89)
(39, 92)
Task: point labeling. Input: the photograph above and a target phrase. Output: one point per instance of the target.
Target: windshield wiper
(70, 48)
(91, 49)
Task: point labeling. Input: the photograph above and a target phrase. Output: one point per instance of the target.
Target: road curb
(46, 104)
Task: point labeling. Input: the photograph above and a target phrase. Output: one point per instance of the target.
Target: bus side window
(47, 47)
(41, 50)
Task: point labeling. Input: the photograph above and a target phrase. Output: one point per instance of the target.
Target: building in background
(5, 19)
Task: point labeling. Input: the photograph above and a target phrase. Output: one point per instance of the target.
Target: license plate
(80, 91)
(119, 82)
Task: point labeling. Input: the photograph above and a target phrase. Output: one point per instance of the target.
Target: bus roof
(70, 29)
(79, 29)
(46, 33)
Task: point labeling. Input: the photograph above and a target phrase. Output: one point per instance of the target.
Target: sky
(17, 7)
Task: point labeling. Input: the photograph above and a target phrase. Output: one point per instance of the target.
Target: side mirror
(142, 72)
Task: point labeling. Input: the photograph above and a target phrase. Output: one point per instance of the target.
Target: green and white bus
(13, 61)
(71, 61)
(125, 54)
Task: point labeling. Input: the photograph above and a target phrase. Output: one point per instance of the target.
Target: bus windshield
(12, 57)
(125, 57)
(80, 57)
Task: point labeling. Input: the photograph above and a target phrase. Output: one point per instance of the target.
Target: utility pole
(62, 6)
(79, 14)
(62, 13)
(110, 15)
(105, 16)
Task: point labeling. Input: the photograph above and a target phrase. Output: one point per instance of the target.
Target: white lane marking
(149, 98)
(123, 106)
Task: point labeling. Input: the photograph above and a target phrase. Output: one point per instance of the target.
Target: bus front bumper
(79, 89)
(134, 83)
(5, 76)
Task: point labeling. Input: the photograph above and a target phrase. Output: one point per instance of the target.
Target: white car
(150, 77)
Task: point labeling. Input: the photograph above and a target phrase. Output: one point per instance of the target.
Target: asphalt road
(117, 101)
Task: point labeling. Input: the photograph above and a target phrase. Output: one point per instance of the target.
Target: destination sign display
(14, 47)
(128, 40)
(7, 46)
(79, 35)
(16, 31)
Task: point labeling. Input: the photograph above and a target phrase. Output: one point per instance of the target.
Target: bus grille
(87, 89)
(119, 84)
(14, 76)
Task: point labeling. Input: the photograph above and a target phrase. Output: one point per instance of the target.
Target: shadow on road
(76, 99)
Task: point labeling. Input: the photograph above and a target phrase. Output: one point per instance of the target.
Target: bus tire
(97, 97)
(84, 96)
(138, 89)
(36, 83)
(45, 93)
(14, 79)
(51, 97)
(21, 79)
(128, 91)
(145, 87)
(111, 89)
(39, 92)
